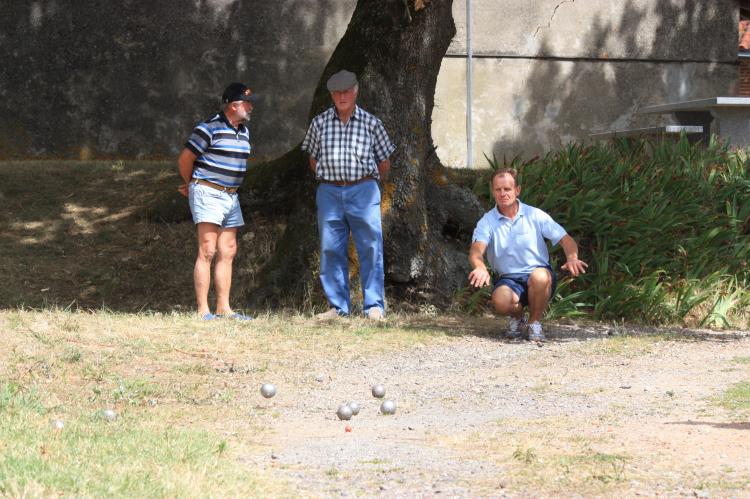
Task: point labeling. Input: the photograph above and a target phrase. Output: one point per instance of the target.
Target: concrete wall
(561, 69)
(130, 78)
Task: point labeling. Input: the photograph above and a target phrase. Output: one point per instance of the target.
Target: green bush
(664, 226)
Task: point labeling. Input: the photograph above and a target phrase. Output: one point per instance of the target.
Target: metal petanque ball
(354, 407)
(344, 413)
(388, 407)
(268, 390)
(109, 414)
(378, 391)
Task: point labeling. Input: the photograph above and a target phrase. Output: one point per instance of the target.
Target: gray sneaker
(535, 332)
(329, 315)
(515, 328)
(375, 314)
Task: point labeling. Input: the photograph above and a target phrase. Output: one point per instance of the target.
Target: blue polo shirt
(517, 246)
(222, 151)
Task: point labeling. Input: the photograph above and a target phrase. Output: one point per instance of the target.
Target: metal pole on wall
(468, 86)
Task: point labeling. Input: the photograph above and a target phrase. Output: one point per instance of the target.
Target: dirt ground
(591, 412)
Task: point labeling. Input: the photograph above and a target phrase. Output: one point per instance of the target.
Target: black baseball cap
(238, 91)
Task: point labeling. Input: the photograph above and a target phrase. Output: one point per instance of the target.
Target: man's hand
(384, 169)
(479, 277)
(185, 164)
(575, 267)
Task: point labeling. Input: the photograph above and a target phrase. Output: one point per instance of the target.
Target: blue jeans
(342, 209)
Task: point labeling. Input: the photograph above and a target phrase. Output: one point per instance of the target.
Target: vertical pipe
(469, 138)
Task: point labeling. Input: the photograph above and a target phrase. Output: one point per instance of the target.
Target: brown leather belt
(346, 182)
(230, 190)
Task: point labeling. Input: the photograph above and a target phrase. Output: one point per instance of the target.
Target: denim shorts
(214, 206)
(519, 283)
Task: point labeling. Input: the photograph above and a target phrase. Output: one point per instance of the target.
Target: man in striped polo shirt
(213, 165)
(349, 150)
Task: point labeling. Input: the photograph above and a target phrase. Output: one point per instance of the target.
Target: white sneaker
(375, 314)
(535, 332)
(515, 328)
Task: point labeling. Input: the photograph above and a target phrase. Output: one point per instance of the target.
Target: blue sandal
(236, 316)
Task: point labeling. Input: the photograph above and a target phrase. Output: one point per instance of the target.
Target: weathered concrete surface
(654, 29)
(130, 78)
(549, 73)
(526, 106)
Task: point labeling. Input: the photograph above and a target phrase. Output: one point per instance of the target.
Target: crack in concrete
(554, 11)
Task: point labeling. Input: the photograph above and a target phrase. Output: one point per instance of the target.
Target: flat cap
(343, 80)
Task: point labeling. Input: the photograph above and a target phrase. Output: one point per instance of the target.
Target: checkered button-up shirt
(347, 152)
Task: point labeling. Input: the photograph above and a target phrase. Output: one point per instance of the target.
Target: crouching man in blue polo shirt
(513, 235)
(213, 165)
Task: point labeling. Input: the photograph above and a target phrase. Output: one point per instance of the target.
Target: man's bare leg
(540, 291)
(506, 302)
(207, 237)
(226, 250)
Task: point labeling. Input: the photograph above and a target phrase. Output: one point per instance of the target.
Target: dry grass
(189, 385)
(553, 455)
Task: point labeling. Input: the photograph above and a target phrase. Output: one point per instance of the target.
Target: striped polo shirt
(222, 151)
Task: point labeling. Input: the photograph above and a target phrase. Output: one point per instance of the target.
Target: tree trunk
(395, 47)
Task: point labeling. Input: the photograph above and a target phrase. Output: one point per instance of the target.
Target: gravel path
(466, 408)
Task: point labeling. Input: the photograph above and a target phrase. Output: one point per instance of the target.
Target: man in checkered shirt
(349, 150)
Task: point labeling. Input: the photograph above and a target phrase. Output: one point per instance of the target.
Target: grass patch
(185, 391)
(550, 455)
(71, 355)
(135, 456)
(135, 392)
(625, 346)
(736, 397)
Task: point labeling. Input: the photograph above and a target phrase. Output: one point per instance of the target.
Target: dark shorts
(519, 283)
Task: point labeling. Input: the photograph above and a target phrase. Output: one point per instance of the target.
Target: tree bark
(395, 47)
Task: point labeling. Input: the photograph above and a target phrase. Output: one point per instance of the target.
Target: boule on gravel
(344, 413)
(378, 391)
(267, 390)
(388, 407)
(354, 406)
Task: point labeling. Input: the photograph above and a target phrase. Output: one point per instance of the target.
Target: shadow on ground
(78, 235)
(563, 330)
(721, 426)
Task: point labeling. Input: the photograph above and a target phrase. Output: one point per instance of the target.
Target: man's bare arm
(479, 276)
(573, 264)
(185, 164)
